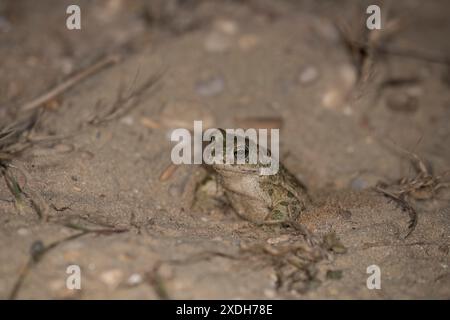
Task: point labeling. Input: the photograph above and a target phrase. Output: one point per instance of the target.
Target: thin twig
(36, 255)
(35, 103)
(157, 282)
(125, 103)
(405, 206)
(34, 259)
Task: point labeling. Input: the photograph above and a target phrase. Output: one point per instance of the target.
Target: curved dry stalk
(110, 60)
(37, 251)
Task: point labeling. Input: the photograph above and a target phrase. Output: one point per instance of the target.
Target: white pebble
(332, 99)
(128, 120)
(23, 232)
(308, 75)
(226, 26)
(134, 279)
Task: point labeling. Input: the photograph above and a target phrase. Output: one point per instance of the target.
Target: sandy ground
(224, 63)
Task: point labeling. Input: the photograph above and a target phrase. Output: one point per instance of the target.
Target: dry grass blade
(155, 279)
(110, 60)
(294, 264)
(168, 172)
(413, 217)
(422, 186)
(13, 138)
(125, 103)
(356, 41)
(363, 44)
(14, 188)
(100, 231)
(37, 251)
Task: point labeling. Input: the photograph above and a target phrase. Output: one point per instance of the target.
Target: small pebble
(308, 75)
(66, 65)
(226, 26)
(134, 279)
(217, 42)
(128, 120)
(112, 277)
(333, 98)
(210, 87)
(270, 293)
(23, 232)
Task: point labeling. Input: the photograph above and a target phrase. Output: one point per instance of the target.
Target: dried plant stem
(110, 60)
(34, 259)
